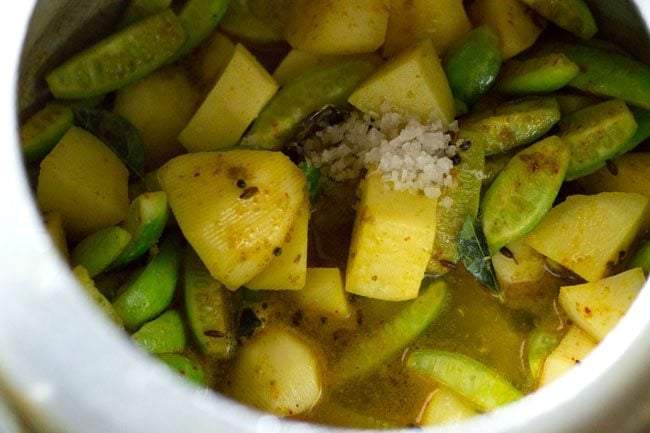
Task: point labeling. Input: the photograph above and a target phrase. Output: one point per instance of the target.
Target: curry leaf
(117, 133)
(475, 255)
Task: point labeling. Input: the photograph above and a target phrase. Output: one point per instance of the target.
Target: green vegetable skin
(209, 309)
(466, 376)
(571, 102)
(641, 259)
(117, 133)
(40, 133)
(184, 366)
(97, 251)
(311, 91)
(494, 165)
(642, 118)
(523, 192)
(139, 9)
(256, 20)
(514, 124)
(313, 179)
(91, 290)
(119, 59)
(369, 351)
(465, 195)
(538, 75)
(609, 74)
(152, 291)
(571, 15)
(540, 344)
(595, 134)
(165, 334)
(145, 222)
(199, 18)
(473, 64)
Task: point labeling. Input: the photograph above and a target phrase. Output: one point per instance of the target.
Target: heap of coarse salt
(410, 155)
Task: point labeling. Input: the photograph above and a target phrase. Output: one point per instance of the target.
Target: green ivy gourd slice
(164, 334)
(479, 384)
(97, 251)
(120, 59)
(311, 91)
(572, 15)
(40, 133)
(515, 123)
(199, 18)
(609, 74)
(540, 344)
(473, 64)
(595, 134)
(257, 20)
(152, 291)
(145, 222)
(537, 75)
(371, 350)
(184, 366)
(523, 192)
(209, 309)
(139, 9)
(464, 197)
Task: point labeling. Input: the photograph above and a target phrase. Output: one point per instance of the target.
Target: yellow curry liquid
(474, 322)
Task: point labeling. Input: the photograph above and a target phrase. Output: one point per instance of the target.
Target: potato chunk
(413, 82)
(84, 181)
(324, 293)
(159, 106)
(446, 407)
(278, 372)
(235, 208)
(572, 350)
(288, 268)
(337, 26)
(392, 242)
(514, 23)
(233, 103)
(444, 21)
(525, 267)
(590, 235)
(632, 174)
(597, 307)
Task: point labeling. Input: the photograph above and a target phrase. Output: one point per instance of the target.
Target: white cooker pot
(67, 369)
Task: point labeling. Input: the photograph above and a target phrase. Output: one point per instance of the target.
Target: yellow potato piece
(446, 407)
(54, 226)
(277, 371)
(514, 23)
(234, 102)
(413, 82)
(572, 350)
(392, 241)
(590, 235)
(324, 293)
(212, 57)
(234, 208)
(597, 307)
(632, 174)
(444, 21)
(527, 266)
(337, 26)
(288, 268)
(159, 106)
(84, 181)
